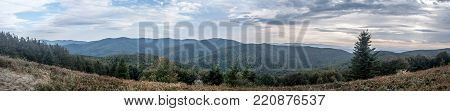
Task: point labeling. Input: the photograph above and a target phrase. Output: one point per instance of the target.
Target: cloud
(9, 9)
(332, 21)
(425, 30)
(295, 10)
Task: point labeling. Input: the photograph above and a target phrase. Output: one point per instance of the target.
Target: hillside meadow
(17, 74)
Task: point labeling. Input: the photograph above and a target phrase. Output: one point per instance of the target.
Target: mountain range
(223, 52)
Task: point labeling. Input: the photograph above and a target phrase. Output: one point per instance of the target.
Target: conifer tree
(364, 59)
(232, 76)
(442, 59)
(214, 77)
(122, 70)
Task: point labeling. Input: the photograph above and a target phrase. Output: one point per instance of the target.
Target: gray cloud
(351, 31)
(326, 9)
(76, 22)
(324, 30)
(441, 37)
(386, 26)
(425, 30)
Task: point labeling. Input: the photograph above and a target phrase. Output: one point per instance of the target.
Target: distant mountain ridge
(223, 52)
(63, 42)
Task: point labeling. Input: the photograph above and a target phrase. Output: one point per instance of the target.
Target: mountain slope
(160, 47)
(275, 57)
(226, 52)
(63, 42)
(18, 74)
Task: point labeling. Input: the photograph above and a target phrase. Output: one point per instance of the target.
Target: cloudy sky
(396, 25)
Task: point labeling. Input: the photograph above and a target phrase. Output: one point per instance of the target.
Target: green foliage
(442, 59)
(312, 77)
(161, 70)
(187, 76)
(249, 75)
(122, 70)
(267, 80)
(419, 63)
(364, 60)
(214, 77)
(233, 76)
(391, 66)
(134, 72)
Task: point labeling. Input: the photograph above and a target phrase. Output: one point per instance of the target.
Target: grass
(16, 74)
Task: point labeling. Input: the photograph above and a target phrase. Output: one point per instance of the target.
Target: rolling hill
(224, 52)
(16, 74)
(205, 53)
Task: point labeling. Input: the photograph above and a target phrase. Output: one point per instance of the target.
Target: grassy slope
(18, 74)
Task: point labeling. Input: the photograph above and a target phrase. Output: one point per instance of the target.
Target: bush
(214, 77)
(187, 76)
(442, 59)
(312, 77)
(233, 76)
(249, 75)
(266, 80)
(391, 66)
(161, 70)
(419, 63)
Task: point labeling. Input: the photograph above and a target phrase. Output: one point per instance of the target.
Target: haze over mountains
(223, 52)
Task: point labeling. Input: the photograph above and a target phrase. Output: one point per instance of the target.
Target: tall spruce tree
(364, 59)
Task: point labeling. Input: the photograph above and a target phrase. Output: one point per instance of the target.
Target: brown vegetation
(18, 74)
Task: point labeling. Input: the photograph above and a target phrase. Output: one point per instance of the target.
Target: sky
(395, 25)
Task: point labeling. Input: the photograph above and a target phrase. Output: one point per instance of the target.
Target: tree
(161, 70)
(133, 72)
(364, 60)
(249, 75)
(233, 76)
(267, 80)
(187, 76)
(442, 59)
(391, 66)
(214, 77)
(122, 70)
(419, 63)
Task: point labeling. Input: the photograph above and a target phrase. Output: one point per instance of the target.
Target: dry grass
(18, 74)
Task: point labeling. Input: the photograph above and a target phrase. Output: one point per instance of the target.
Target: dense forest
(365, 64)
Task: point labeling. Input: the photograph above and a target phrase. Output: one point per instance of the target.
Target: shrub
(391, 66)
(187, 76)
(233, 76)
(442, 59)
(214, 77)
(419, 63)
(161, 70)
(266, 80)
(249, 75)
